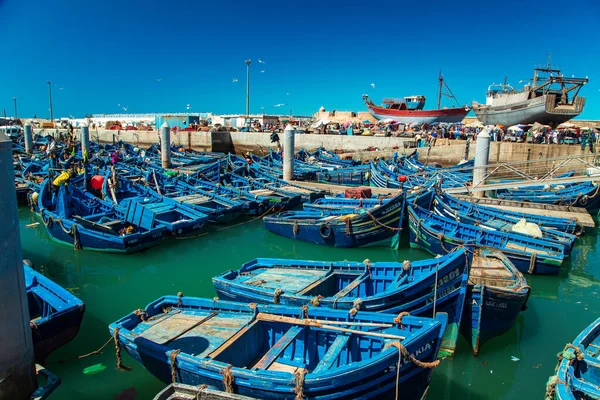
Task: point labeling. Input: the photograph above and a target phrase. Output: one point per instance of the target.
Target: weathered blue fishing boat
(438, 235)
(179, 219)
(585, 194)
(78, 218)
(353, 176)
(500, 223)
(383, 286)
(55, 313)
(578, 371)
(367, 227)
(482, 212)
(341, 205)
(275, 352)
(496, 294)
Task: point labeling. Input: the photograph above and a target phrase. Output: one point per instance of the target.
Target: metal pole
(28, 134)
(85, 141)
(247, 89)
(17, 368)
(165, 145)
(482, 155)
(16, 113)
(288, 153)
(50, 95)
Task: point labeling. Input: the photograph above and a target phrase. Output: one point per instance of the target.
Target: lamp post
(247, 89)
(50, 95)
(16, 114)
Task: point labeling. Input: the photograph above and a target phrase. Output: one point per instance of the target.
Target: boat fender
(327, 177)
(325, 231)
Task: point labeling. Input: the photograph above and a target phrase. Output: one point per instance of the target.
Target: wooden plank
(351, 286)
(332, 353)
(278, 348)
(174, 326)
(216, 352)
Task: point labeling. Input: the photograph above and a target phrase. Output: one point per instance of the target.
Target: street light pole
(247, 89)
(16, 114)
(50, 95)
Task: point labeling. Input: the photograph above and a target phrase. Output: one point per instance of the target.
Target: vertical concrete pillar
(17, 368)
(482, 155)
(288, 153)
(28, 134)
(165, 145)
(85, 141)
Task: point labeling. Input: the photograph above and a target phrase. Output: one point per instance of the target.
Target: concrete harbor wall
(445, 151)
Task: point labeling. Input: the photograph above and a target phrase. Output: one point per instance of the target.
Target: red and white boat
(410, 109)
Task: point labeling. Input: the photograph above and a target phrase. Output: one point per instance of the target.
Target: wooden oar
(112, 191)
(323, 325)
(156, 182)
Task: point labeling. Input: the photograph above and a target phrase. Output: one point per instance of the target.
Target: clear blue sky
(152, 57)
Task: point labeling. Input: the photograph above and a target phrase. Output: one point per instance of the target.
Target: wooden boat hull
(56, 314)
(362, 230)
(248, 285)
(585, 195)
(434, 241)
(578, 379)
(496, 295)
(449, 115)
(228, 336)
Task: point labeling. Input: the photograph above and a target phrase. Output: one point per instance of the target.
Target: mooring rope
(398, 319)
(173, 361)
(179, 296)
(375, 220)
(277, 294)
(299, 379)
(403, 353)
(355, 307)
(532, 262)
(118, 351)
(228, 379)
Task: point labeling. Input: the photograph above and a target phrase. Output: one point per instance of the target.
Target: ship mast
(441, 79)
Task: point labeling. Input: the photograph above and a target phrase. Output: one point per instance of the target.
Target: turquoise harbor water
(114, 285)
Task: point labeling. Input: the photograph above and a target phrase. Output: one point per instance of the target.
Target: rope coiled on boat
(367, 263)
(348, 226)
(554, 380)
(142, 314)
(296, 228)
(179, 296)
(299, 379)
(316, 301)
(355, 307)
(406, 265)
(173, 361)
(228, 379)
(398, 319)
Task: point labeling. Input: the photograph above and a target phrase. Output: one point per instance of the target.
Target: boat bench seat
(351, 286)
(332, 353)
(47, 296)
(278, 348)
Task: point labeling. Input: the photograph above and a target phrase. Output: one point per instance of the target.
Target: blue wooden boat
(55, 313)
(500, 223)
(578, 372)
(496, 294)
(367, 227)
(438, 235)
(280, 352)
(268, 181)
(341, 205)
(482, 212)
(354, 176)
(179, 219)
(585, 194)
(383, 286)
(80, 219)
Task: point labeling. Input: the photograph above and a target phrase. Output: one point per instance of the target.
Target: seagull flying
(373, 85)
(125, 109)
(287, 94)
(262, 71)
(261, 61)
(234, 80)
(189, 106)
(159, 79)
(279, 105)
